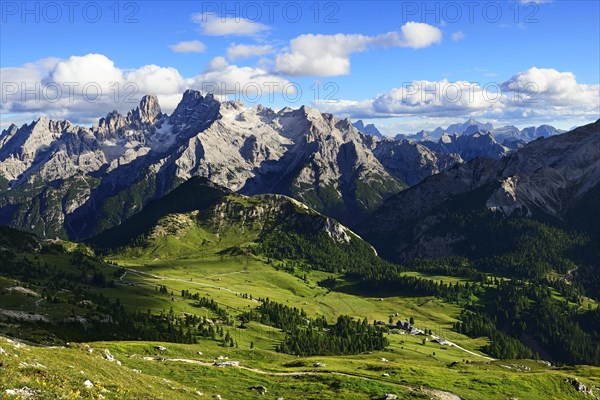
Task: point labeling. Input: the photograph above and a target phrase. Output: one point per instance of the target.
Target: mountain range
(63, 180)
(68, 181)
(115, 167)
(507, 135)
(555, 179)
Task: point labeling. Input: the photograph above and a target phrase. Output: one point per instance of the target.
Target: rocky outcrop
(411, 162)
(581, 388)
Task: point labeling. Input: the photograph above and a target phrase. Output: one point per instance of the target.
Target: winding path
(449, 343)
(147, 275)
(437, 394)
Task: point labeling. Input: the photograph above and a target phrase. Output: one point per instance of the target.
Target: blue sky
(359, 50)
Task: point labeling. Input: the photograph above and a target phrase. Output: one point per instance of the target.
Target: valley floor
(409, 368)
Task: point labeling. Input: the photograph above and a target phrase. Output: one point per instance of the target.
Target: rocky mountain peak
(44, 124)
(194, 111)
(148, 110)
(112, 122)
(315, 116)
(232, 106)
(369, 129)
(11, 127)
(360, 125)
(8, 133)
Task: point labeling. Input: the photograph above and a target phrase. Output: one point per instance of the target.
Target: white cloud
(95, 68)
(418, 35)
(80, 87)
(550, 87)
(217, 63)
(28, 74)
(57, 87)
(458, 36)
(438, 98)
(329, 55)
(542, 94)
(213, 25)
(191, 46)
(155, 79)
(243, 51)
(321, 55)
(222, 78)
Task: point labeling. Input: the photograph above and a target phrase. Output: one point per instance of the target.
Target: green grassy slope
(411, 365)
(195, 193)
(179, 372)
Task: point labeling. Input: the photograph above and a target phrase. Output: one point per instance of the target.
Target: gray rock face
(411, 162)
(507, 133)
(580, 387)
(468, 127)
(535, 173)
(194, 111)
(148, 111)
(546, 176)
(469, 146)
(533, 132)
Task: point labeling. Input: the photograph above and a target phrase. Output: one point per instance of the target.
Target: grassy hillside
(193, 278)
(179, 372)
(196, 193)
(235, 282)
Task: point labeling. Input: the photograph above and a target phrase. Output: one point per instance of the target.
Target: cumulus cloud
(217, 63)
(418, 35)
(544, 94)
(248, 83)
(550, 87)
(458, 36)
(155, 79)
(83, 87)
(213, 25)
(329, 55)
(191, 46)
(321, 55)
(243, 51)
(95, 68)
(27, 74)
(433, 98)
